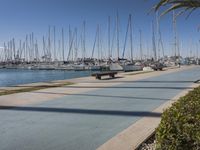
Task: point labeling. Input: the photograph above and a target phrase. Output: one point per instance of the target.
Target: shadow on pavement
(105, 96)
(83, 111)
(145, 81)
(131, 87)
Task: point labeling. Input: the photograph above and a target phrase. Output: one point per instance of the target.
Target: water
(11, 77)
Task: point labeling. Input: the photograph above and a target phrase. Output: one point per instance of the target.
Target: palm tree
(181, 5)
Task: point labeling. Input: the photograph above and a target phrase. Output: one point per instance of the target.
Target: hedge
(180, 124)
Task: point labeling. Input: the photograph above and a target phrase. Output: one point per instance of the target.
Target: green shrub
(180, 124)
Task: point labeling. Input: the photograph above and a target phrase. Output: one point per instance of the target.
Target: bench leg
(112, 76)
(98, 77)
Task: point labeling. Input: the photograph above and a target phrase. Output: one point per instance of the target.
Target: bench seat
(100, 74)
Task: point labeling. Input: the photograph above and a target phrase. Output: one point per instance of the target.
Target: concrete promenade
(87, 114)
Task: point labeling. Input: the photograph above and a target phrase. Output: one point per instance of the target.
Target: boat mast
(198, 52)
(31, 49)
(158, 35)
(59, 51)
(70, 40)
(63, 48)
(49, 44)
(175, 34)
(126, 36)
(141, 52)
(19, 52)
(13, 42)
(44, 48)
(95, 40)
(54, 31)
(26, 51)
(5, 51)
(36, 51)
(76, 45)
(153, 42)
(84, 51)
(117, 23)
(109, 50)
(131, 36)
(98, 43)
(160, 42)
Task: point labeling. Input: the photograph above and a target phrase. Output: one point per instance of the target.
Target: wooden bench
(100, 74)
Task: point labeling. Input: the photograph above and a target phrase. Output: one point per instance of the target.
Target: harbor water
(12, 77)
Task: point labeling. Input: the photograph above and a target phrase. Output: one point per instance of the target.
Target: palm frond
(161, 3)
(185, 5)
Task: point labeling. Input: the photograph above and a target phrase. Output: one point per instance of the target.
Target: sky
(21, 17)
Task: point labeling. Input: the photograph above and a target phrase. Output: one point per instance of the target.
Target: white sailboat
(130, 66)
(116, 66)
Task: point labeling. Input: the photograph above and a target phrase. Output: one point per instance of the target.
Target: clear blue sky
(21, 17)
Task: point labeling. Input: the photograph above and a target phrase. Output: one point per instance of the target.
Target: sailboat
(115, 65)
(96, 64)
(130, 65)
